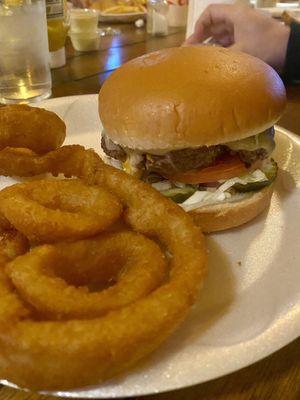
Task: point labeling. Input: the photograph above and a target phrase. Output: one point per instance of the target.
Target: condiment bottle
(157, 17)
(57, 32)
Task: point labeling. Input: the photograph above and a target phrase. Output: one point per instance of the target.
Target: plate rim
(122, 14)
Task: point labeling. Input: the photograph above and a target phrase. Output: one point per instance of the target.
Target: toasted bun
(188, 97)
(228, 215)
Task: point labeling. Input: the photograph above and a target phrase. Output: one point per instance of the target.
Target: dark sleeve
(291, 70)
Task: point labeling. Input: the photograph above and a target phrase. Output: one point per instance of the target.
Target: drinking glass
(24, 55)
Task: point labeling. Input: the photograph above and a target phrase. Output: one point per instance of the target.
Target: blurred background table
(274, 378)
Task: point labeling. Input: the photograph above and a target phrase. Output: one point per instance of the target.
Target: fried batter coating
(30, 127)
(12, 244)
(51, 210)
(73, 160)
(131, 263)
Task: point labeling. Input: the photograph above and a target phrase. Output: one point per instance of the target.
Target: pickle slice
(179, 195)
(269, 168)
(251, 186)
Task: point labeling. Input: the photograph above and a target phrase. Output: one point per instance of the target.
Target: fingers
(225, 40)
(215, 16)
(193, 39)
(200, 31)
(220, 33)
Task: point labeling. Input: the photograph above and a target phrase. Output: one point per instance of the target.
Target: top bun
(188, 97)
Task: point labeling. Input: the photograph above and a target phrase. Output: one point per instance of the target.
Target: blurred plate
(294, 13)
(250, 304)
(277, 11)
(125, 18)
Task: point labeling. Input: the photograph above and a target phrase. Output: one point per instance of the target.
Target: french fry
(126, 7)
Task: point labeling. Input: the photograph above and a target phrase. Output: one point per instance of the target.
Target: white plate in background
(277, 11)
(125, 17)
(250, 304)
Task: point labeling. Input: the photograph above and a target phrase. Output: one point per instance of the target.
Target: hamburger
(197, 123)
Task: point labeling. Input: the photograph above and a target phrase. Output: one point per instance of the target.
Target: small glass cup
(86, 41)
(24, 55)
(83, 20)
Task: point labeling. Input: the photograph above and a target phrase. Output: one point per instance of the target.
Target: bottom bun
(224, 216)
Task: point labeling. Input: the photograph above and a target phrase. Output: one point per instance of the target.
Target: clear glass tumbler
(24, 54)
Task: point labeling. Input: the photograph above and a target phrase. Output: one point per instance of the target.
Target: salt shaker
(157, 17)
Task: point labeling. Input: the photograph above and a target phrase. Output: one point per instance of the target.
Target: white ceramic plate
(250, 304)
(277, 11)
(126, 17)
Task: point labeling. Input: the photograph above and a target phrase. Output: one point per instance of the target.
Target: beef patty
(181, 160)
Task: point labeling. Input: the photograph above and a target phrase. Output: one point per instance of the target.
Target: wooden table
(274, 378)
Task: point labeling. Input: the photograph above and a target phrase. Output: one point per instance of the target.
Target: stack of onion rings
(91, 336)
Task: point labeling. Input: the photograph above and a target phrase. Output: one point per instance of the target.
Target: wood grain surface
(274, 378)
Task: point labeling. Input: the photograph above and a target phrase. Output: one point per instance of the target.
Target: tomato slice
(224, 169)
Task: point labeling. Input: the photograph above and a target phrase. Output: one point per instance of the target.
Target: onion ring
(64, 354)
(72, 160)
(12, 244)
(31, 127)
(136, 262)
(65, 209)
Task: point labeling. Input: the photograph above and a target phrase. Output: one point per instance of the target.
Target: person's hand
(245, 29)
